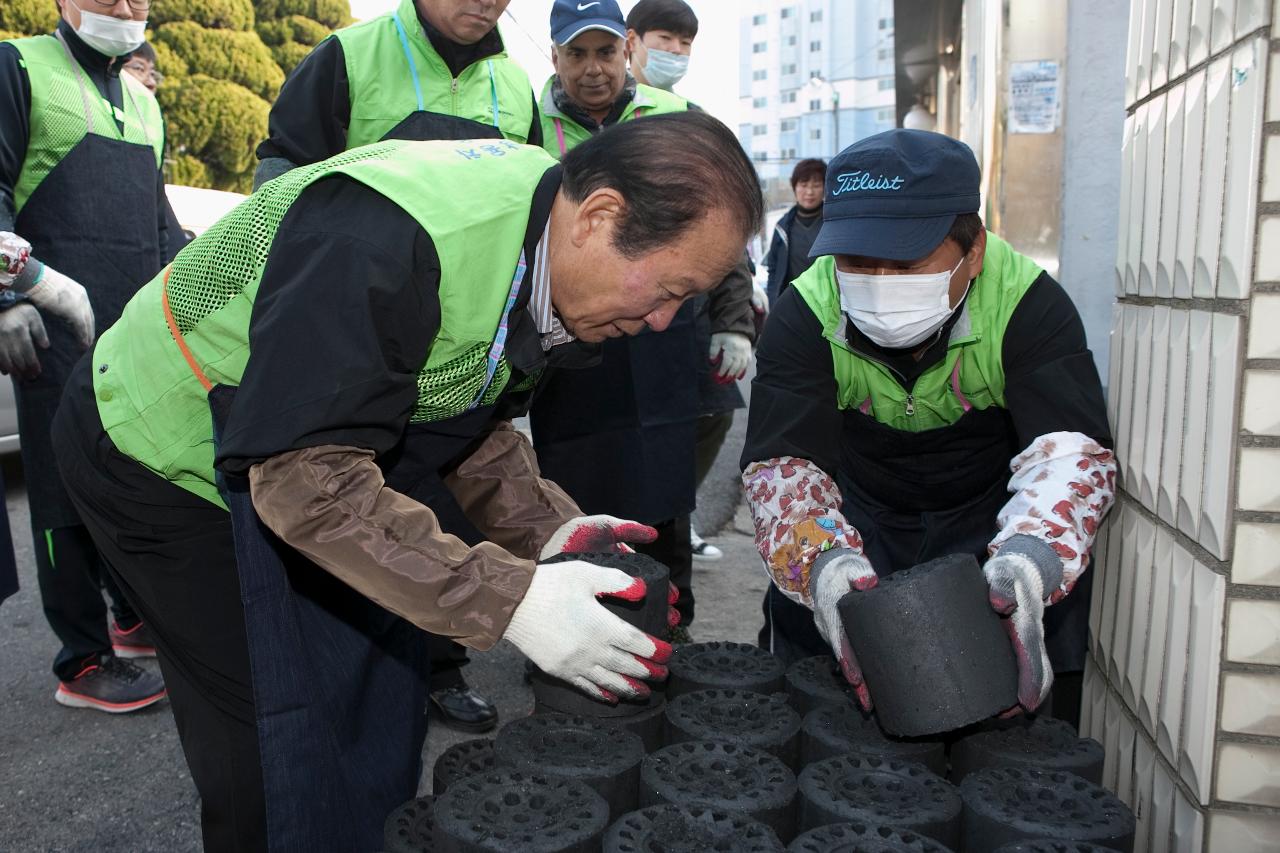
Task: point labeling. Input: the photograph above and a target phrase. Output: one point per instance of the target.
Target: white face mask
(663, 69)
(897, 311)
(110, 36)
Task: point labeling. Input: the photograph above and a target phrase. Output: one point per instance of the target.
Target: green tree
(224, 62)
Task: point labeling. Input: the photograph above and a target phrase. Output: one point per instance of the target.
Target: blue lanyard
(499, 344)
(413, 70)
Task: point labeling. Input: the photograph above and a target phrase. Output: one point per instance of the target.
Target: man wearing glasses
(80, 180)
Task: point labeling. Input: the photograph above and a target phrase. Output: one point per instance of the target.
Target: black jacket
(776, 259)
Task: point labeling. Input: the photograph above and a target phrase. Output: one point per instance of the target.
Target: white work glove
(21, 334)
(1020, 590)
(595, 534)
(759, 298)
(830, 582)
(731, 353)
(563, 629)
(62, 297)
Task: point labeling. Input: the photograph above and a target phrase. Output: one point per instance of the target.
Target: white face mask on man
(107, 35)
(663, 69)
(897, 311)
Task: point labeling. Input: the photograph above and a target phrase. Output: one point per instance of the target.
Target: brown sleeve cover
(331, 504)
(503, 494)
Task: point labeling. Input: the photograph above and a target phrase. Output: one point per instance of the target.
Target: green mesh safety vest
(472, 197)
(560, 134)
(392, 71)
(66, 106)
(973, 365)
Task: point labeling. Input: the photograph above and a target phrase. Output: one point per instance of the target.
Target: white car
(196, 209)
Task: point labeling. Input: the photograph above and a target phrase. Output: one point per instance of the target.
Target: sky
(712, 81)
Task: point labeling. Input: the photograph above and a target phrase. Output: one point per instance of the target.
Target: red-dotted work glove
(561, 627)
(730, 354)
(831, 580)
(597, 533)
(1021, 586)
(588, 534)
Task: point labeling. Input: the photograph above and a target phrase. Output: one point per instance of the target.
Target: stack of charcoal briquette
(739, 754)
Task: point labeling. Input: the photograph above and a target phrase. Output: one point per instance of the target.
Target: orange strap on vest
(177, 335)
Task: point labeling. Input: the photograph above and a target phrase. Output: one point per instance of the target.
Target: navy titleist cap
(572, 18)
(895, 195)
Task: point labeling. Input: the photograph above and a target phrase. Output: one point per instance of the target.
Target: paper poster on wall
(1033, 97)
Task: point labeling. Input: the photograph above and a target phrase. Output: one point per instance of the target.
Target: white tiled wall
(1183, 681)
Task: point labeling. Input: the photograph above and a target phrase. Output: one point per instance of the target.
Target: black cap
(895, 195)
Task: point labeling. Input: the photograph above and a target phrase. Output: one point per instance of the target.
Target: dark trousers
(173, 555)
(711, 432)
(674, 550)
(72, 576)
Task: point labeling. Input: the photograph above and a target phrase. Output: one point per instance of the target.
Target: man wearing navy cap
(924, 390)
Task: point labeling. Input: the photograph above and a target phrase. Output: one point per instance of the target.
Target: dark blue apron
(95, 219)
(619, 437)
(339, 683)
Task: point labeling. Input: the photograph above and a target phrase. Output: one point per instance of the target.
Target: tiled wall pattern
(1183, 681)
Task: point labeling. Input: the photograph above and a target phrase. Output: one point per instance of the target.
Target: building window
(760, 156)
(789, 69)
(760, 74)
(886, 23)
(815, 104)
(759, 129)
(757, 20)
(760, 47)
(886, 83)
(884, 53)
(884, 115)
(791, 41)
(815, 16)
(758, 103)
(789, 97)
(815, 46)
(788, 154)
(816, 133)
(787, 12)
(788, 125)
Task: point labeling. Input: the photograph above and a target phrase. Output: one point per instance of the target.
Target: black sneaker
(133, 642)
(113, 685)
(462, 708)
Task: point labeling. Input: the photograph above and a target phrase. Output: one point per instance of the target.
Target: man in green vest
(81, 147)
(249, 443)
(914, 378)
(635, 413)
(429, 69)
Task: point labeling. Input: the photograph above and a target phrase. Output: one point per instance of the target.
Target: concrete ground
(79, 780)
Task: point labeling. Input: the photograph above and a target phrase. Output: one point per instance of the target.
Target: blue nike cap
(572, 18)
(895, 195)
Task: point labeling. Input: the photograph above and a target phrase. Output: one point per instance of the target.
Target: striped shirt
(550, 332)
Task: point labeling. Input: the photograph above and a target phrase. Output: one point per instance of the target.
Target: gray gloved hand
(1020, 588)
(759, 298)
(65, 299)
(21, 335)
(731, 353)
(831, 580)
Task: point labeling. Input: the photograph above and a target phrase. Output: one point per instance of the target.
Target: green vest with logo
(66, 106)
(560, 134)
(392, 71)
(973, 369)
(472, 197)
